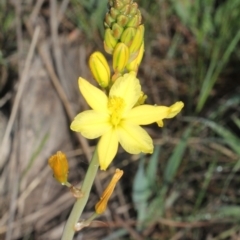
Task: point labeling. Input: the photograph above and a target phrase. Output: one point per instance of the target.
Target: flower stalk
(69, 229)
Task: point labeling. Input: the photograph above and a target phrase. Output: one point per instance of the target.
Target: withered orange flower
(59, 165)
(101, 206)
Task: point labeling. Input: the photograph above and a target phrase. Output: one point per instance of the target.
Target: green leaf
(152, 167)
(141, 193)
(176, 158)
(231, 139)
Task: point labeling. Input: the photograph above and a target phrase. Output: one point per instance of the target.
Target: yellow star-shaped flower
(116, 119)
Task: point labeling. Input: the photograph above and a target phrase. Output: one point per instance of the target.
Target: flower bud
(59, 166)
(117, 30)
(100, 69)
(133, 22)
(114, 12)
(122, 20)
(109, 41)
(134, 64)
(108, 21)
(137, 40)
(120, 57)
(101, 206)
(134, 9)
(128, 35)
(126, 9)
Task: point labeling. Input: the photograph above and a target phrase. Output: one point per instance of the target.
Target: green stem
(79, 205)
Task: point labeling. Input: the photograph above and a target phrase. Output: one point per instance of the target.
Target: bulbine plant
(118, 109)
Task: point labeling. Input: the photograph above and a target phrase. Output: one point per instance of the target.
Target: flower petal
(147, 114)
(95, 98)
(175, 109)
(91, 124)
(128, 88)
(107, 148)
(134, 139)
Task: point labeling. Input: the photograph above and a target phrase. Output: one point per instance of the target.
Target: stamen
(116, 106)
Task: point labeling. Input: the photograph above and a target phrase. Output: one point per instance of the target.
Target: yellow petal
(91, 124)
(147, 114)
(95, 98)
(134, 139)
(160, 123)
(128, 88)
(175, 109)
(107, 148)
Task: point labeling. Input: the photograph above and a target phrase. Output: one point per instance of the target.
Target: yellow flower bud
(126, 9)
(134, 9)
(101, 206)
(128, 35)
(117, 30)
(100, 69)
(120, 57)
(122, 20)
(109, 41)
(114, 13)
(134, 64)
(59, 165)
(133, 22)
(137, 40)
(108, 21)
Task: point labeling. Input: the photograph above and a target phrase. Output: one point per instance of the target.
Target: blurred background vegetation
(189, 187)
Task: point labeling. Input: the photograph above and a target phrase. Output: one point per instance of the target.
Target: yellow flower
(59, 165)
(101, 206)
(116, 119)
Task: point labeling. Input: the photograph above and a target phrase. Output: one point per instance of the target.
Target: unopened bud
(128, 35)
(100, 69)
(120, 57)
(108, 21)
(137, 40)
(134, 9)
(133, 22)
(122, 20)
(134, 64)
(126, 9)
(114, 12)
(117, 30)
(109, 41)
